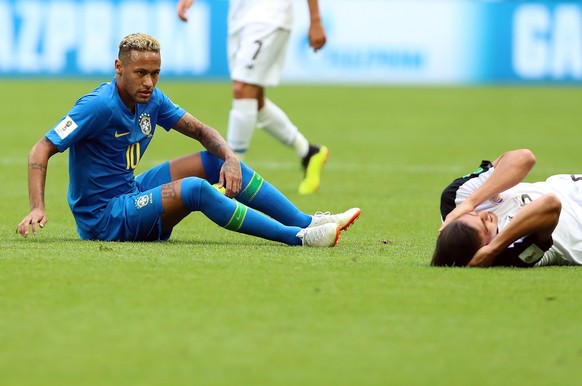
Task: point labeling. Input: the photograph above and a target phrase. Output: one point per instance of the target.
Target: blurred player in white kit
(258, 36)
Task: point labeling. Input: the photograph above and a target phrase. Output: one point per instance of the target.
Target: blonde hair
(137, 42)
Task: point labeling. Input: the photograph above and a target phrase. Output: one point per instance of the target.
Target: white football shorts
(567, 248)
(256, 54)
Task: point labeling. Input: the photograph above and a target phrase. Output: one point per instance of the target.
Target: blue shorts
(136, 216)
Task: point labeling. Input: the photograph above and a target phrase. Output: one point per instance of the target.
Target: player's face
(484, 222)
(137, 77)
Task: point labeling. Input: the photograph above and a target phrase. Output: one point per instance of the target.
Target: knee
(242, 90)
(211, 165)
(191, 192)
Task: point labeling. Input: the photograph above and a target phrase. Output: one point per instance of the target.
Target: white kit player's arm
(510, 169)
(317, 38)
(183, 8)
(538, 218)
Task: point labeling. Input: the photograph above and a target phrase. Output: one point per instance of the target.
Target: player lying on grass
(492, 218)
(107, 132)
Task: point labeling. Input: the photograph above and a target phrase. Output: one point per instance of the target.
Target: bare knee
(187, 166)
(174, 209)
(241, 90)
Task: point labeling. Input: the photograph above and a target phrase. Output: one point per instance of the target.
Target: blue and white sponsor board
(372, 41)
(369, 41)
(78, 38)
(531, 42)
(443, 42)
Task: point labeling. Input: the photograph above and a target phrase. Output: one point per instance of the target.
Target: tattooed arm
(206, 135)
(37, 167)
(230, 174)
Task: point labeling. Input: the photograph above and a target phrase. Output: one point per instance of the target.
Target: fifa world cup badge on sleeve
(65, 127)
(531, 254)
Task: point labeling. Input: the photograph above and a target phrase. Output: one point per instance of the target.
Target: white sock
(301, 145)
(275, 122)
(241, 124)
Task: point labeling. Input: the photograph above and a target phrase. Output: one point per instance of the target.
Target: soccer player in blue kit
(107, 132)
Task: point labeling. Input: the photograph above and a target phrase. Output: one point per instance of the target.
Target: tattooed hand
(231, 177)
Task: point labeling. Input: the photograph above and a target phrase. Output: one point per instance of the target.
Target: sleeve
(462, 187)
(79, 123)
(169, 113)
(524, 253)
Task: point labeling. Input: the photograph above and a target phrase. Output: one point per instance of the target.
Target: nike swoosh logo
(117, 135)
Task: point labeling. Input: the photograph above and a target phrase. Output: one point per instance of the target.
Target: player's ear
(118, 66)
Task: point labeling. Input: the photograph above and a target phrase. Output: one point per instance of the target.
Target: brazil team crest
(142, 201)
(145, 124)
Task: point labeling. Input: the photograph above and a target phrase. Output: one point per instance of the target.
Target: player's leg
(186, 166)
(256, 58)
(242, 118)
(152, 214)
(132, 217)
(261, 195)
(268, 65)
(258, 193)
(272, 119)
(313, 163)
(195, 194)
(166, 199)
(313, 157)
(246, 95)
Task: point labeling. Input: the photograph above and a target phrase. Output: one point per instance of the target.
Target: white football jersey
(277, 13)
(568, 234)
(567, 237)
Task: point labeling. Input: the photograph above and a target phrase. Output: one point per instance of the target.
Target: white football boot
(326, 235)
(344, 219)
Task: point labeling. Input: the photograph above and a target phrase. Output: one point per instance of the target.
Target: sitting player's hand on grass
(36, 217)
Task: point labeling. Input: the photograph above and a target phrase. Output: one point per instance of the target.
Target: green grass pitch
(211, 307)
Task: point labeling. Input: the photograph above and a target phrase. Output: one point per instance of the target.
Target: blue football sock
(258, 193)
(198, 195)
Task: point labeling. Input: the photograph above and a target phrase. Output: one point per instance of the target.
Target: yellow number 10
(132, 155)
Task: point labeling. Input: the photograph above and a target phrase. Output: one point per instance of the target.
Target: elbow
(35, 151)
(43, 148)
(553, 204)
(552, 209)
(528, 158)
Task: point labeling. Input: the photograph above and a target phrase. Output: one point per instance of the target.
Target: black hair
(456, 245)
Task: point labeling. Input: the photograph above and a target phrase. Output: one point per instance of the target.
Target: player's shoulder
(484, 170)
(158, 95)
(100, 99)
(462, 187)
(159, 100)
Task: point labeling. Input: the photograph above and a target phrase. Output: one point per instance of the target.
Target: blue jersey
(106, 142)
